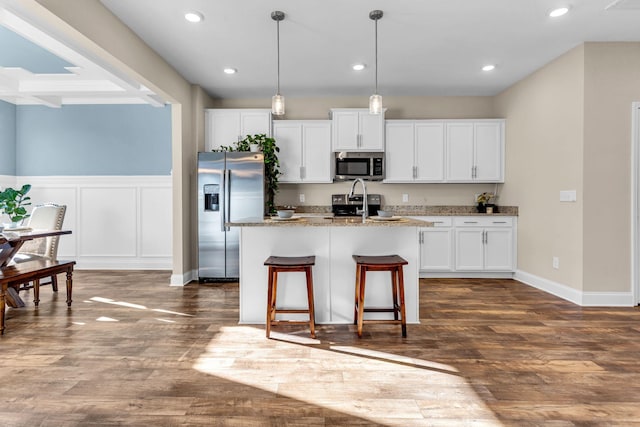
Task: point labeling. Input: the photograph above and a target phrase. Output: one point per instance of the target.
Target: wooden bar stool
(280, 264)
(392, 263)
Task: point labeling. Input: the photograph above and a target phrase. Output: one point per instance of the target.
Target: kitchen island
(333, 241)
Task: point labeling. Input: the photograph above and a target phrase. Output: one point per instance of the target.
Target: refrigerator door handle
(227, 190)
(223, 200)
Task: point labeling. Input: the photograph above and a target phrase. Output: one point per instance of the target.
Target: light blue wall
(93, 140)
(7, 139)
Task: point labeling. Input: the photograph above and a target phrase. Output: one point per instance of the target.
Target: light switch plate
(405, 197)
(568, 196)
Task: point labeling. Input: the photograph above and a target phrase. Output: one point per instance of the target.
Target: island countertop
(328, 221)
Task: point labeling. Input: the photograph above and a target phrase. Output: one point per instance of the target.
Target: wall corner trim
(183, 279)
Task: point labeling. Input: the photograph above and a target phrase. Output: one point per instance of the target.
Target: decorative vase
(481, 208)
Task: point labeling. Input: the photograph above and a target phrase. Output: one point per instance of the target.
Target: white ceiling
(426, 47)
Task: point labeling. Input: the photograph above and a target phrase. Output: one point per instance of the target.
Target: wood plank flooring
(134, 351)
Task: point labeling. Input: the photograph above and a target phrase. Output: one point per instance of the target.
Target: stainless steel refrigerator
(230, 189)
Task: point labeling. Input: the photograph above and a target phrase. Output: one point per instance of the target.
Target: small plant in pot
(484, 200)
(13, 202)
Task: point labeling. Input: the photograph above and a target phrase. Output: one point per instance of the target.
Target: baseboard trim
(584, 299)
(466, 275)
(183, 279)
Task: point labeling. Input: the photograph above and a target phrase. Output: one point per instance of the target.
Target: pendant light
(277, 102)
(375, 100)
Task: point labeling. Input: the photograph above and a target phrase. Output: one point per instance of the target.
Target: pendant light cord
(278, 43)
(376, 73)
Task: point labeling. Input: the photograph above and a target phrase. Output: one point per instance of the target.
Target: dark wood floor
(134, 351)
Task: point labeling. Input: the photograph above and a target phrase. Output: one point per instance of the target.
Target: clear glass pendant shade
(277, 105)
(375, 104)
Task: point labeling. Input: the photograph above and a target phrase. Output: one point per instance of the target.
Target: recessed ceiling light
(193, 16)
(359, 67)
(230, 70)
(489, 67)
(558, 12)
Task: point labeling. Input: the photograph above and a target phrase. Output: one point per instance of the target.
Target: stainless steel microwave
(366, 165)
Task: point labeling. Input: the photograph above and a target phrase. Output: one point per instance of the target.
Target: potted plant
(271, 163)
(13, 202)
(484, 200)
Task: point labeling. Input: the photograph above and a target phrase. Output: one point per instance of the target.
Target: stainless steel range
(343, 205)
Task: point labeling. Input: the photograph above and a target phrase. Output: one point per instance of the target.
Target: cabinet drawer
(482, 221)
(438, 221)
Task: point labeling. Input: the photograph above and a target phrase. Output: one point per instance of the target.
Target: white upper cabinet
(474, 151)
(414, 151)
(305, 150)
(226, 126)
(354, 129)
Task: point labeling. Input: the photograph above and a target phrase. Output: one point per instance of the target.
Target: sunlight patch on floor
(382, 387)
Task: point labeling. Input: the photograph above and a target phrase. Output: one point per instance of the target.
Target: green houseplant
(13, 202)
(270, 151)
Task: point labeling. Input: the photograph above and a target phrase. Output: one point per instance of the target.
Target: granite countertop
(329, 221)
(417, 210)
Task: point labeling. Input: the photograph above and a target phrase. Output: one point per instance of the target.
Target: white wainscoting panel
(7, 181)
(108, 218)
(155, 208)
(117, 222)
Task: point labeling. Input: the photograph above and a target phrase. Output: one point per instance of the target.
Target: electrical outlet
(405, 198)
(301, 198)
(556, 262)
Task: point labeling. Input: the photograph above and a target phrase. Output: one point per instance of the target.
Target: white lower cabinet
(436, 245)
(467, 246)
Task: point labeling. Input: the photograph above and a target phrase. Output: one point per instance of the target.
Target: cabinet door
(469, 249)
(498, 249)
(488, 152)
(399, 166)
(255, 122)
(459, 151)
(429, 151)
(288, 138)
(345, 130)
(371, 131)
(436, 249)
(316, 151)
(223, 128)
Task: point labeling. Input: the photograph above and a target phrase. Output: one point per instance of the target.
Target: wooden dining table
(15, 273)
(12, 241)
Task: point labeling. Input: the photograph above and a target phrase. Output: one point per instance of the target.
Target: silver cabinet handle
(499, 222)
(301, 172)
(438, 222)
(421, 237)
(471, 222)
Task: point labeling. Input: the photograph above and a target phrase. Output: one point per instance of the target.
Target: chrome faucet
(365, 209)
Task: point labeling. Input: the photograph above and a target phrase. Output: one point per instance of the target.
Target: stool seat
(383, 260)
(393, 264)
(282, 264)
(290, 261)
